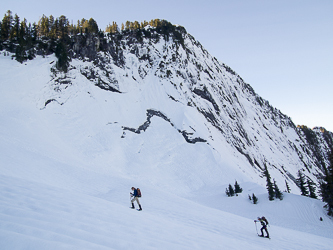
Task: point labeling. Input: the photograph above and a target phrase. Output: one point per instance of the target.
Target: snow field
(37, 216)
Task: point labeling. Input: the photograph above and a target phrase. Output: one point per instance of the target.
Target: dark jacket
(263, 222)
(135, 193)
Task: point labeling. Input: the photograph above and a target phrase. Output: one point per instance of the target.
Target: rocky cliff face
(319, 141)
(220, 109)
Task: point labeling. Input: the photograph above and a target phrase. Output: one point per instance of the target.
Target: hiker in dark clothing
(135, 196)
(264, 224)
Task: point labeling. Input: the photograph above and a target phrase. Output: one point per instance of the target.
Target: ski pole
(255, 222)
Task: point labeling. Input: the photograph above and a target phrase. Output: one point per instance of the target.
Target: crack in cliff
(146, 124)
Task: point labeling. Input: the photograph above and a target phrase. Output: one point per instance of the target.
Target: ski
(135, 209)
(264, 237)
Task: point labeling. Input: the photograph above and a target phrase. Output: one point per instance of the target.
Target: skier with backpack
(264, 224)
(136, 195)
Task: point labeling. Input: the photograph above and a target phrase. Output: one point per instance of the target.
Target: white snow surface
(67, 169)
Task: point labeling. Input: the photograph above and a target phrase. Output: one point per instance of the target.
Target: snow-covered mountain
(153, 110)
(173, 79)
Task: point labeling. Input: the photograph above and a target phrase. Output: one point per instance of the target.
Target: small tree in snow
(278, 193)
(238, 189)
(269, 185)
(312, 189)
(287, 186)
(227, 192)
(254, 199)
(301, 183)
(231, 190)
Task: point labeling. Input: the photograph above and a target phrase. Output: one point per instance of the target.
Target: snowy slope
(68, 162)
(38, 216)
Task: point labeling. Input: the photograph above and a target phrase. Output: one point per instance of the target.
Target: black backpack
(139, 192)
(264, 221)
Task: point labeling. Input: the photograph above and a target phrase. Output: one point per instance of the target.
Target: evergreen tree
(277, 191)
(51, 22)
(53, 26)
(23, 32)
(238, 189)
(269, 185)
(112, 28)
(231, 190)
(6, 26)
(301, 183)
(254, 199)
(127, 25)
(63, 28)
(34, 32)
(63, 59)
(227, 192)
(144, 24)
(312, 189)
(326, 186)
(136, 25)
(44, 26)
(20, 53)
(287, 186)
(92, 26)
(78, 27)
(14, 33)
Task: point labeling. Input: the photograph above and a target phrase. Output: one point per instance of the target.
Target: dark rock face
(145, 125)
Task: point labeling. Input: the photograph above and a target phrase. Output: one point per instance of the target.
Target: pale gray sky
(283, 49)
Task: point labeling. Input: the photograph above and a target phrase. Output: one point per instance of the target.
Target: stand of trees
(307, 186)
(53, 35)
(231, 191)
(49, 35)
(272, 188)
(13, 29)
(326, 186)
(253, 198)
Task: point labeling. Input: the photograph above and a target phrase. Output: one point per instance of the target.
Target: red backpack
(139, 192)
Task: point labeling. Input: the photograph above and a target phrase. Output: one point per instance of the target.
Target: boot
(132, 206)
(140, 208)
